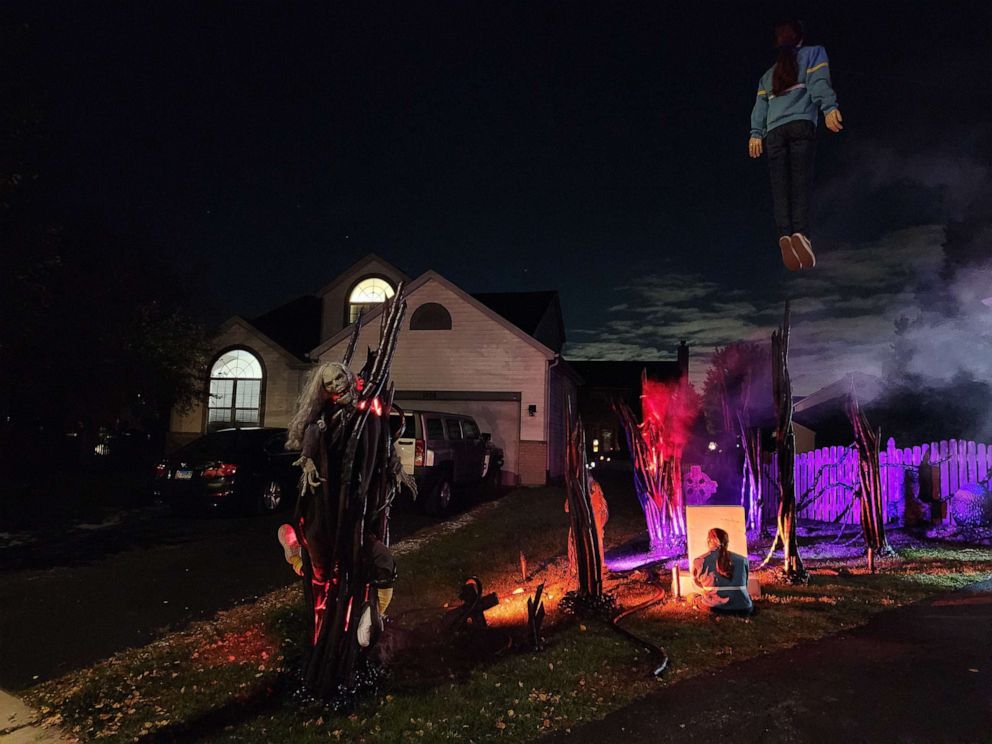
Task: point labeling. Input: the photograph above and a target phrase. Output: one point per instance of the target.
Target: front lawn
(231, 679)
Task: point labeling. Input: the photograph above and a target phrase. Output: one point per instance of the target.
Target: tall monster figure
(350, 476)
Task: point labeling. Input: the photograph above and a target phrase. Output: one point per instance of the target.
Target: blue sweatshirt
(811, 92)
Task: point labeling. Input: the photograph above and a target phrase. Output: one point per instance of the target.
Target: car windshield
(225, 444)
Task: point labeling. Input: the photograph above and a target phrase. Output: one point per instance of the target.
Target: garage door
(501, 418)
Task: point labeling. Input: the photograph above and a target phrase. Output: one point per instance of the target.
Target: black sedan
(247, 469)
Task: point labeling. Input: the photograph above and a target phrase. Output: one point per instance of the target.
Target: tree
(656, 443)
(785, 446)
(95, 328)
(867, 443)
(737, 386)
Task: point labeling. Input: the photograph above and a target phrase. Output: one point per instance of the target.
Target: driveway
(83, 595)
(920, 674)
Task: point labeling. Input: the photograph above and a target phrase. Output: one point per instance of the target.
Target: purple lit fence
(826, 478)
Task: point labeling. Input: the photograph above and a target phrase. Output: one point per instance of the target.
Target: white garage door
(500, 418)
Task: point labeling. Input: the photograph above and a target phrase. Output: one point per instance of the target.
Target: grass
(227, 679)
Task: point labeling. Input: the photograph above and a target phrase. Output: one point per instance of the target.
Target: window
(367, 294)
(408, 422)
(434, 429)
(235, 390)
(430, 317)
(470, 429)
(451, 426)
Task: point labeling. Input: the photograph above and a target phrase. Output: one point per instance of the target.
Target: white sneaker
(803, 250)
(789, 257)
(364, 632)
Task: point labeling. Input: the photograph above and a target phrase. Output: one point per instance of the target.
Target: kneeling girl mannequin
(722, 576)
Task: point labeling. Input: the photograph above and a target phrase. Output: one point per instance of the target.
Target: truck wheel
(440, 498)
(491, 485)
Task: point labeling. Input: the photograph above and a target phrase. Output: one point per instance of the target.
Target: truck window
(409, 426)
(454, 432)
(434, 429)
(469, 428)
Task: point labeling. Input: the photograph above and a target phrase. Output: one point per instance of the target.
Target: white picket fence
(955, 464)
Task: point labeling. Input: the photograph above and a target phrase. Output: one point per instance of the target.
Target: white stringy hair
(308, 405)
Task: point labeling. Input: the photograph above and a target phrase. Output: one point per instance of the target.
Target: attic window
(367, 294)
(430, 317)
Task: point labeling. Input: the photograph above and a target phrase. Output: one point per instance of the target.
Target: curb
(19, 724)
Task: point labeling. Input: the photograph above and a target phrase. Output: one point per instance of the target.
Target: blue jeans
(790, 149)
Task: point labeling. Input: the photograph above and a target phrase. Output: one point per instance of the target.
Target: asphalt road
(81, 596)
(920, 674)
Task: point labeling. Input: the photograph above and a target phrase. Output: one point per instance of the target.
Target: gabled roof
(237, 320)
(419, 282)
(624, 374)
(295, 326)
(834, 396)
(525, 310)
(356, 267)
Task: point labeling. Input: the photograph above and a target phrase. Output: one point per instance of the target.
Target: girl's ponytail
(724, 567)
(788, 36)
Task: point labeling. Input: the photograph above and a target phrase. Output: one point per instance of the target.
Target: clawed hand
(311, 478)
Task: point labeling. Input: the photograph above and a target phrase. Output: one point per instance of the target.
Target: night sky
(594, 148)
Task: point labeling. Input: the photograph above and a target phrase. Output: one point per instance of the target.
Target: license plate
(184, 474)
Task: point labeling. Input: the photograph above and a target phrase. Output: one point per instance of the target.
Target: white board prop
(699, 520)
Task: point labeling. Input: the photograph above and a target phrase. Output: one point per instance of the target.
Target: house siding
(282, 384)
(335, 296)
(562, 389)
(478, 354)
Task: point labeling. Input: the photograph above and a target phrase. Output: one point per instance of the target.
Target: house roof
(361, 263)
(624, 374)
(295, 325)
(472, 300)
(525, 310)
(834, 396)
(237, 320)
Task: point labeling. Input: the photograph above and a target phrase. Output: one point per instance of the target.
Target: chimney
(683, 357)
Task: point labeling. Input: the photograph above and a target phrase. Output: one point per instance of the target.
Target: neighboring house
(823, 414)
(604, 382)
(495, 357)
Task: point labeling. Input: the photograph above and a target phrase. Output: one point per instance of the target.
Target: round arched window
(236, 380)
(431, 316)
(368, 293)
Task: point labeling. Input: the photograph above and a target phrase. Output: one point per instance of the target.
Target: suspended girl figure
(791, 95)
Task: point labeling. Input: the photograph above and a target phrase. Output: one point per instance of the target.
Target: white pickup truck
(444, 451)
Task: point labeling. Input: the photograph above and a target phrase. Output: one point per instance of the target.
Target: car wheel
(440, 498)
(272, 497)
(491, 485)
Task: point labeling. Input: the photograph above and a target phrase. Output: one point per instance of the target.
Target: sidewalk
(920, 674)
(17, 724)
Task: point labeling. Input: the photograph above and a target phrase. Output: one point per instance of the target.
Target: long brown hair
(723, 565)
(788, 36)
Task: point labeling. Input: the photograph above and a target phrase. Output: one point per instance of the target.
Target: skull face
(339, 383)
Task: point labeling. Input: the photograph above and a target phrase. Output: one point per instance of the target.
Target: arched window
(430, 317)
(236, 379)
(368, 293)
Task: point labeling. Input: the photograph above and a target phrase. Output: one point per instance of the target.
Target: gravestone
(697, 486)
(972, 506)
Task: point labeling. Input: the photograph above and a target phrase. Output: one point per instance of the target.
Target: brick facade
(533, 463)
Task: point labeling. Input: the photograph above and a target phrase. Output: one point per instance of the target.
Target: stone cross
(698, 486)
